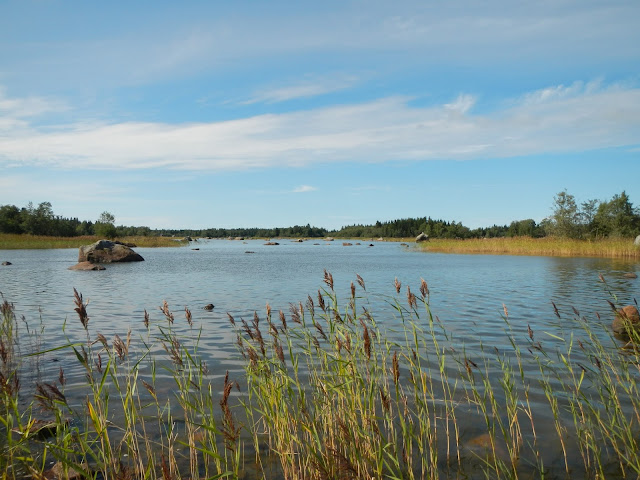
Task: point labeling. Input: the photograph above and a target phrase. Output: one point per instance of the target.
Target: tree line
(591, 219)
(41, 220)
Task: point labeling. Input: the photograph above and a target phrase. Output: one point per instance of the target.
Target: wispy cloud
(304, 189)
(307, 89)
(383, 130)
(12, 109)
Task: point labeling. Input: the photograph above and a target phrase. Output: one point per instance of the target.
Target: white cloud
(310, 88)
(14, 109)
(567, 119)
(304, 188)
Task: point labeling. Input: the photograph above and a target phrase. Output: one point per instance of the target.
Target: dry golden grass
(9, 241)
(548, 246)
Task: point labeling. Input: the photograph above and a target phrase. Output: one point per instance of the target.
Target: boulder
(272, 243)
(346, 244)
(209, 306)
(86, 266)
(58, 471)
(6, 263)
(423, 237)
(626, 320)
(629, 275)
(636, 242)
(106, 251)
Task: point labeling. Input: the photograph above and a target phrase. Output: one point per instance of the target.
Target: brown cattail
(149, 388)
(101, 338)
(98, 363)
(360, 281)
(310, 306)
(397, 284)
(395, 368)
(81, 308)
(61, 378)
(120, 347)
(411, 298)
(385, 400)
(4, 352)
(232, 320)
(424, 289)
(283, 320)
(187, 314)
(279, 351)
(165, 310)
(321, 301)
(320, 330)
(295, 314)
(146, 318)
(353, 290)
(328, 279)
(230, 432)
(367, 341)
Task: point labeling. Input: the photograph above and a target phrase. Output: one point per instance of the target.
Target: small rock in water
(630, 275)
(209, 306)
(6, 263)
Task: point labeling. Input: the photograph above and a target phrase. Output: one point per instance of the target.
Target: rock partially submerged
(106, 251)
(626, 321)
(6, 263)
(86, 266)
(423, 237)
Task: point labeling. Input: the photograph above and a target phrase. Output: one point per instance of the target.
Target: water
(468, 292)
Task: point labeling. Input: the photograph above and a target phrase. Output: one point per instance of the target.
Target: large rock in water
(106, 251)
(423, 237)
(636, 242)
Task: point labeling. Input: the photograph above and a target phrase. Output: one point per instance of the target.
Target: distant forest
(588, 220)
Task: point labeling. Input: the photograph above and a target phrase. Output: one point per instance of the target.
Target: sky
(216, 114)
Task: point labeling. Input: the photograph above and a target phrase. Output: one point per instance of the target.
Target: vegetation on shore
(590, 220)
(12, 241)
(330, 392)
(547, 246)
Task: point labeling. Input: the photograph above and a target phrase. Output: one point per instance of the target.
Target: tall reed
(330, 391)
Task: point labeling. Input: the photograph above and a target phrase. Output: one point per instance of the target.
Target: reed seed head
(81, 308)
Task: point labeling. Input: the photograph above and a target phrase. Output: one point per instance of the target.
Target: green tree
(105, 227)
(617, 217)
(587, 217)
(10, 219)
(564, 222)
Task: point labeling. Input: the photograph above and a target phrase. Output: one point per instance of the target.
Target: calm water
(467, 291)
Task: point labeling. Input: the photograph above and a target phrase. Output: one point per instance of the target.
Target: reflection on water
(470, 295)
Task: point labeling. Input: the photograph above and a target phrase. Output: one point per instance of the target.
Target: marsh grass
(330, 392)
(10, 241)
(547, 246)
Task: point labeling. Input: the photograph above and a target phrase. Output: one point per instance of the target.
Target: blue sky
(229, 114)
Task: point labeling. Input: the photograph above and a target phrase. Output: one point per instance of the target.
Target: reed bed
(11, 241)
(329, 392)
(547, 246)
